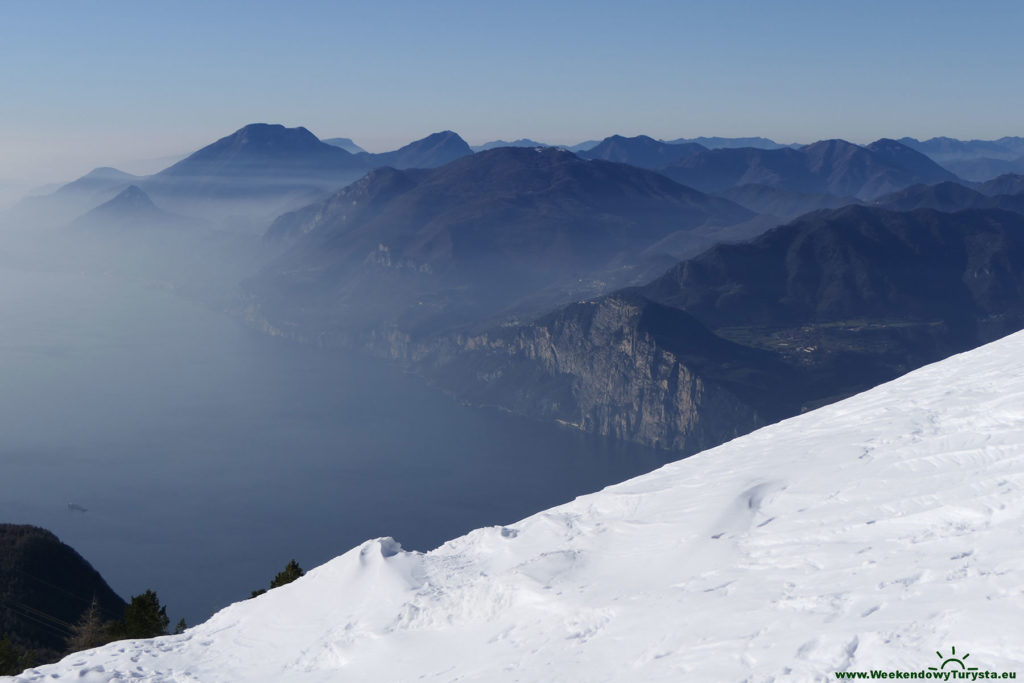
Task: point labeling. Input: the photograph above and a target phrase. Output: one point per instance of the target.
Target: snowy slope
(869, 534)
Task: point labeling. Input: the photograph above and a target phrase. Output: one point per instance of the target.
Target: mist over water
(207, 455)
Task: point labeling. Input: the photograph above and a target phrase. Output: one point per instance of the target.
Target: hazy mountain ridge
(521, 142)
(943, 149)
(57, 208)
(975, 160)
(784, 204)
(472, 237)
(243, 180)
(950, 196)
(345, 143)
(1005, 184)
(402, 259)
(984, 169)
(131, 209)
(432, 151)
(641, 151)
(854, 262)
(722, 143)
(834, 167)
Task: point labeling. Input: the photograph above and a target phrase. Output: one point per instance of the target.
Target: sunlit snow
(870, 534)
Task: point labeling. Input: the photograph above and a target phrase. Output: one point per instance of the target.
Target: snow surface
(869, 534)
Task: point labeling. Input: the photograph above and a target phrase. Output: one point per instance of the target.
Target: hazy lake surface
(207, 455)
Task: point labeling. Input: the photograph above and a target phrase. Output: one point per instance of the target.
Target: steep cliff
(619, 366)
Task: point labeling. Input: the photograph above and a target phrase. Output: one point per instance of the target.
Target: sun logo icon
(954, 661)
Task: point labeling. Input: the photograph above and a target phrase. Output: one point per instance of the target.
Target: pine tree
(91, 630)
(14, 660)
(291, 572)
(144, 617)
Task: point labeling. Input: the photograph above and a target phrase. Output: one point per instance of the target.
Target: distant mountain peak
(641, 150)
(434, 150)
(264, 148)
(132, 196)
(887, 143)
(270, 131)
(831, 144)
(519, 142)
(344, 143)
(441, 138)
(131, 208)
(270, 137)
(107, 173)
(525, 155)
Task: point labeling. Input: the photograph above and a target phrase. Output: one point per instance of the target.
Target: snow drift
(869, 534)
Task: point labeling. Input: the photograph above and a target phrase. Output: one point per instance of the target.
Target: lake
(207, 455)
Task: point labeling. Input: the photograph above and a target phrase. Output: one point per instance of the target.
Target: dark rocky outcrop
(45, 587)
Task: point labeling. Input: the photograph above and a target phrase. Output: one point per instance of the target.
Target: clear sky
(93, 82)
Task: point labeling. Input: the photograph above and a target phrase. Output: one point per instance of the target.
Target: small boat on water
(75, 507)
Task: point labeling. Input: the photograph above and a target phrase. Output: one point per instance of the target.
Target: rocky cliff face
(599, 367)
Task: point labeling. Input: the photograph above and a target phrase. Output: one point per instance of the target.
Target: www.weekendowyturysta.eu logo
(955, 664)
(952, 667)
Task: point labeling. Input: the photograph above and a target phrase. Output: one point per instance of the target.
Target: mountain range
(834, 302)
(943, 149)
(465, 270)
(476, 236)
(951, 196)
(720, 143)
(974, 160)
(131, 209)
(241, 181)
(833, 167)
(67, 202)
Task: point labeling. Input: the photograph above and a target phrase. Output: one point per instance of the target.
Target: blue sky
(95, 83)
